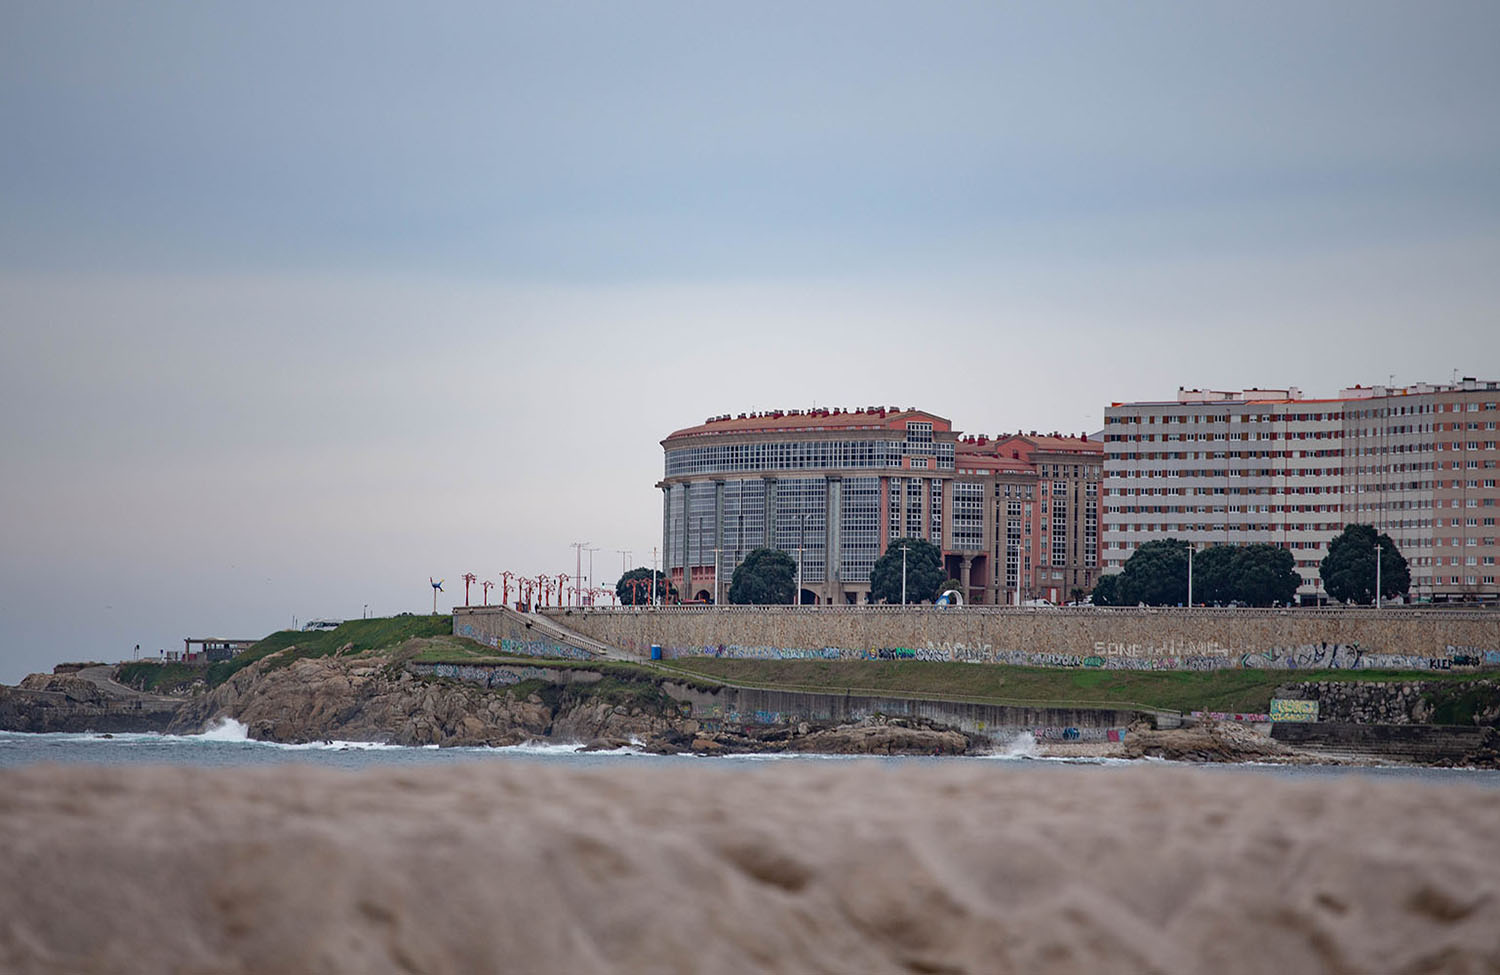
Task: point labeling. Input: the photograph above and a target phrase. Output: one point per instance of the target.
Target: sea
(226, 745)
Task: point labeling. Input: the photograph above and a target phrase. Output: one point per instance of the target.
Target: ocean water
(227, 745)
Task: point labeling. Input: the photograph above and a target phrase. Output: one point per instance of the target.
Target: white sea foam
(225, 729)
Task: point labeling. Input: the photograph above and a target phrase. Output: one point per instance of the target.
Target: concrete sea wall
(515, 634)
(720, 708)
(1114, 638)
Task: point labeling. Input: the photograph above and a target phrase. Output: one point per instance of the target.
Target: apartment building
(1273, 466)
(1016, 517)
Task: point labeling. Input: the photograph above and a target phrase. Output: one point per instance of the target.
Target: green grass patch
(359, 636)
(1460, 705)
(1173, 690)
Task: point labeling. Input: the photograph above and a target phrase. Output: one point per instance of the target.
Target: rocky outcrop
(1212, 741)
(316, 699)
(71, 703)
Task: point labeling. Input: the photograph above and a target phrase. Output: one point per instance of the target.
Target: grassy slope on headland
(359, 635)
(1219, 690)
(1222, 690)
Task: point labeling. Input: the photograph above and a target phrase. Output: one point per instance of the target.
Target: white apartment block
(1271, 466)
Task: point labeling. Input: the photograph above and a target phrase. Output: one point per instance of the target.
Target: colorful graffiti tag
(1103, 655)
(1290, 710)
(486, 675)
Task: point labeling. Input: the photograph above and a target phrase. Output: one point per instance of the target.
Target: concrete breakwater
(1114, 638)
(713, 709)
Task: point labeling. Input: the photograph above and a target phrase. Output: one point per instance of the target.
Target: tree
(1263, 575)
(1106, 590)
(766, 576)
(1214, 574)
(1348, 570)
(924, 572)
(640, 593)
(1156, 574)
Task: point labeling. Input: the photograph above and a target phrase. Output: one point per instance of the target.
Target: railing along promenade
(1398, 613)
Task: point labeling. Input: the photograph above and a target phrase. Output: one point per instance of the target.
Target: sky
(303, 303)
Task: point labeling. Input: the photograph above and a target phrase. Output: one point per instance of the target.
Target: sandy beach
(784, 867)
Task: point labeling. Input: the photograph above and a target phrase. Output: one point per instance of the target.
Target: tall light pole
(717, 560)
(1377, 572)
(1190, 575)
(578, 548)
(801, 543)
(903, 575)
(592, 550)
(653, 575)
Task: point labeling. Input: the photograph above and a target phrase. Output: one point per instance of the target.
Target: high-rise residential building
(1272, 466)
(1040, 530)
(1016, 517)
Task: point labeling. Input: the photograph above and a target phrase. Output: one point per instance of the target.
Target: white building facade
(1272, 466)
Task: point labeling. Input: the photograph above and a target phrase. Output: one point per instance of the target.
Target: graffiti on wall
(1241, 716)
(524, 648)
(486, 675)
(1078, 734)
(1104, 655)
(1473, 657)
(1288, 710)
(542, 648)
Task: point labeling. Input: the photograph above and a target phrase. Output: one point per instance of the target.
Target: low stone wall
(1419, 744)
(1123, 638)
(513, 633)
(1412, 702)
(740, 706)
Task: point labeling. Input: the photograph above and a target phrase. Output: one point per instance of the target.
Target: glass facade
(1059, 523)
(806, 455)
(860, 529)
(801, 523)
(968, 516)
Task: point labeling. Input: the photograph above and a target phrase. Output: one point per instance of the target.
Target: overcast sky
(303, 303)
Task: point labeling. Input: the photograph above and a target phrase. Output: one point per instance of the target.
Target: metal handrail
(1341, 612)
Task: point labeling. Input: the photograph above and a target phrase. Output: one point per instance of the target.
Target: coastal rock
(882, 739)
(1212, 741)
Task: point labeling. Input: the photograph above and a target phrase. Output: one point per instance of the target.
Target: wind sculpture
(437, 587)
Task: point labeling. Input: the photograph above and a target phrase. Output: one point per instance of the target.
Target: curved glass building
(830, 487)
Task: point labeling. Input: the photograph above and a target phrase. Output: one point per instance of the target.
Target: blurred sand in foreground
(782, 867)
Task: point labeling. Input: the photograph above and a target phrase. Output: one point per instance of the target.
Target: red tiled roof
(877, 418)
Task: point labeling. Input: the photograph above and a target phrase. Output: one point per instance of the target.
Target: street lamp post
(801, 545)
(1377, 573)
(903, 575)
(1190, 575)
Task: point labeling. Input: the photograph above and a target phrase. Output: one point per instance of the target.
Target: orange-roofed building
(834, 487)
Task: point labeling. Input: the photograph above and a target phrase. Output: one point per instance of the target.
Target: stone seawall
(1124, 638)
(1419, 744)
(740, 706)
(720, 708)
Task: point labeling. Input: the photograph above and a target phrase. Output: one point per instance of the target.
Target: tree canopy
(1257, 575)
(1106, 591)
(924, 572)
(1348, 570)
(640, 593)
(1263, 575)
(1155, 575)
(767, 576)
